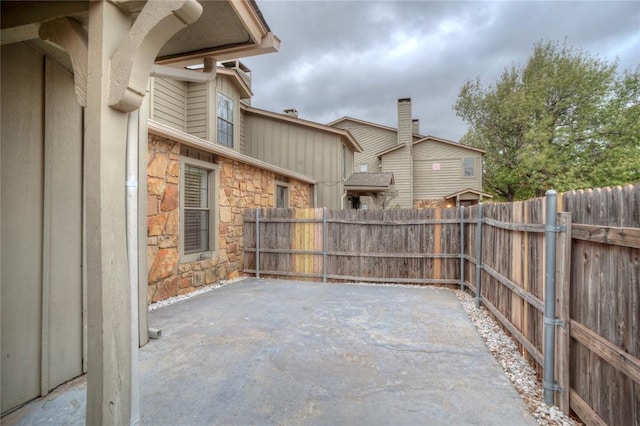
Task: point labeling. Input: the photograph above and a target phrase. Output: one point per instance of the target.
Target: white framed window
(225, 120)
(364, 167)
(198, 209)
(282, 195)
(468, 166)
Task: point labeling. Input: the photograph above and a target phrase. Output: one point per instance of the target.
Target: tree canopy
(565, 120)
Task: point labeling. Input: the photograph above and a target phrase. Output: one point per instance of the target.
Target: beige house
(73, 216)
(205, 136)
(428, 171)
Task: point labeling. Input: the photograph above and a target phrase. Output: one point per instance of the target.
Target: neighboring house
(207, 142)
(428, 171)
(73, 77)
(322, 152)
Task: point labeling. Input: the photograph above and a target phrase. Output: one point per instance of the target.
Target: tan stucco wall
(240, 186)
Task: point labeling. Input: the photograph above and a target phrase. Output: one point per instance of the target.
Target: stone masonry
(240, 186)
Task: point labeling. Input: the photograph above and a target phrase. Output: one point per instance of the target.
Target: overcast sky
(357, 58)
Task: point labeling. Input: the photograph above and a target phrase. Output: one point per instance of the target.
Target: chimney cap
(404, 100)
(292, 112)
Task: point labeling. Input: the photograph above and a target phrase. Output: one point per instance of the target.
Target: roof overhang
(475, 192)
(226, 29)
(369, 182)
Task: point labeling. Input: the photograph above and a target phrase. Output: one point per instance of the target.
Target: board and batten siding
(197, 110)
(41, 232)
(169, 102)
(438, 170)
(398, 162)
(304, 150)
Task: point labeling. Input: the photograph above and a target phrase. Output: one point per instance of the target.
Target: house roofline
(464, 191)
(368, 123)
(449, 142)
(168, 132)
(345, 134)
(245, 90)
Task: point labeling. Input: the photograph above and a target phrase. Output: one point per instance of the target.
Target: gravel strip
(518, 370)
(201, 290)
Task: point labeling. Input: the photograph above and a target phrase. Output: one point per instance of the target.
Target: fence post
(324, 244)
(548, 374)
(258, 243)
(478, 255)
(563, 284)
(461, 210)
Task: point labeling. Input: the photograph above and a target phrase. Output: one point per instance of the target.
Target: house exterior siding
(397, 162)
(303, 150)
(169, 101)
(438, 170)
(372, 140)
(197, 110)
(240, 186)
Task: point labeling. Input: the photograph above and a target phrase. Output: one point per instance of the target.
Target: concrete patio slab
(263, 352)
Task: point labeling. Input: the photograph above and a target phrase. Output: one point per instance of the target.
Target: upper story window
(225, 120)
(344, 162)
(364, 167)
(468, 165)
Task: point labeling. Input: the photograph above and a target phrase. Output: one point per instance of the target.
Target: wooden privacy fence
(499, 252)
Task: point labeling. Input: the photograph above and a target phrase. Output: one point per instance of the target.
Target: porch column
(108, 294)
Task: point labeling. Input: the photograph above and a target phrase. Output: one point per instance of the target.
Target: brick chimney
(291, 112)
(404, 121)
(415, 125)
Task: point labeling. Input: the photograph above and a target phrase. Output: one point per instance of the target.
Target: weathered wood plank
(626, 237)
(584, 411)
(621, 360)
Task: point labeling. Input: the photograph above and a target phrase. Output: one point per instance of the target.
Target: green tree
(565, 120)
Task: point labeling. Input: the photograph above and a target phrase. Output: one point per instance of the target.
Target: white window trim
(213, 209)
(288, 193)
(232, 122)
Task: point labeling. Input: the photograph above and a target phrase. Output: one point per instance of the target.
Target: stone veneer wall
(240, 186)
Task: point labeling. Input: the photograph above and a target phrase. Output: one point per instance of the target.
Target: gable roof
(431, 138)
(368, 123)
(468, 190)
(237, 81)
(344, 134)
(369, 181)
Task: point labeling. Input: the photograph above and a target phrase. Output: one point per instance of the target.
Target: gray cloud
(357, 57)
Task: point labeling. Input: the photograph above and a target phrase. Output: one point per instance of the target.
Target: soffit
(226, 28)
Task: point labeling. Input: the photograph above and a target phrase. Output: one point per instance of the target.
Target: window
(344, 162)
(198, 213)
(282, 195)
(225, 120)
(364, 167)
(468, 164)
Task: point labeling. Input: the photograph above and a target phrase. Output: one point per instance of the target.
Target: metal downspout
(131, 185)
